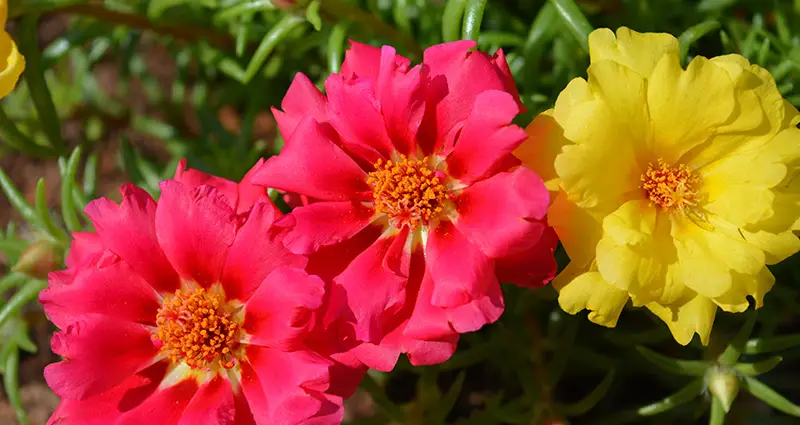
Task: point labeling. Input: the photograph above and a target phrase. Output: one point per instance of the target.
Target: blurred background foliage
(120, 90)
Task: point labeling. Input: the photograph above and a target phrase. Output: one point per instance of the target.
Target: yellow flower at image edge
(12, 63)
(673, 188)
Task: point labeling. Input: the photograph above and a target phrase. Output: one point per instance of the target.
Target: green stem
(37, 85)
(28, 292)
(473, 15)
(451, 20)
(286, 25)
(575, 20)
(341, 10)
(11, 384)
(336, 47)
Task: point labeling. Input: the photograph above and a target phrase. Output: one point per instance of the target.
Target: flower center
(408, 191)
(198, 328)
(670, 187)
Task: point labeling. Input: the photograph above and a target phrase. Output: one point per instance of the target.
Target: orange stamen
(670, 187)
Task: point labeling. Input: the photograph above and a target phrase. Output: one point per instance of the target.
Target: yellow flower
(11, 61)
(674, 187)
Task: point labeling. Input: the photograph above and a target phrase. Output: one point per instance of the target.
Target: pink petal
(105, 408)
(192, 179)
(99, 353)
(212, 404)
(279, 313)
(503, 214)
(195, 228)
(114, 291)
(257, 250)
(488, 137)
(402, 100)
(316, 168)
(368, 293)
(250, 194)
(460, 270)
(384, 356)
(532, 268)
(84, 244)
(129, 231)
(362, 60)
(429, 322)
(355, 113)
(164, 407)
(325, 223)
(330, 261)
(303, 99)
(457, 76)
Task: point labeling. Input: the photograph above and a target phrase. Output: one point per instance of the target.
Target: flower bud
(723, 384)
(39, 259)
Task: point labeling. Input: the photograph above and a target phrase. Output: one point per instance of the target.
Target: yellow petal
(576, 93)
(687, 106)
(696, 316)
(744, 285)
(578, 230)
(3, 13)
(625, 93)
(638, 51)
(600, 171)
(776, 247)
(589, 291)
(12, 63)
(539, 151)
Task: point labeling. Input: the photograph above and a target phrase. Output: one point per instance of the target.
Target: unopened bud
(38, 260)
(723, 384)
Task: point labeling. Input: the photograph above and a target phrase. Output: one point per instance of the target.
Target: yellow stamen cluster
(670, 187)
(196, 328)
(408, 191)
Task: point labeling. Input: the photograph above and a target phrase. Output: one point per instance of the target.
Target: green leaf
(386, 406)
(770, 396)
(10, 134)
(312, 15)
(45, 220)
(473, 15)
(10, 281)
(336, 46)
(285, 26)
(448, 401)
(675, 366)
(769, 345)
(733, 351)
(451, 19)
(758, 368)
(694, 33)
(67, 188)
(575, 21)
(16, 199)
(37, 86)
(682, 396)
(400, 15)
(243, 8)
(11, 385)
(584, 406)
(714, 5)
(27, 293)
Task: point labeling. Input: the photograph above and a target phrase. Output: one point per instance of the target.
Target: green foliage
(179, 67)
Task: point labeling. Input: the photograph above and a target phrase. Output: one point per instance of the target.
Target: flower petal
(257, 250)
(487, 138)
(531, 268)
(324, 224)
(99, 353)
(163, 407)
(401, 94)
(577, 230)
(84, 245)
(303, 99)
(280, 311)
(696, 316)
(316, 168)
(502, 215)
(745, 286)
(362, 60)
(195, 228)
(638, 51)
(591, 292)
(14, 64)
(191, 178)
(129, 231)
(212, 404)
(115, 291)
(538, 152)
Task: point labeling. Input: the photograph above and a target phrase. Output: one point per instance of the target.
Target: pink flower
(189, 311)
(417, 206)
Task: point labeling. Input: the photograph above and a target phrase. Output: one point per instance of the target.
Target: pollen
(408, 191)
(197, 328)
(670, 187)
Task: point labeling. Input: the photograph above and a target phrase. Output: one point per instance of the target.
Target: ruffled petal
(591, 292)
(129, 231)
(638, 51)
(324, 224)
(303, 99)
(164, 407)
(257, 250)
(487, 138)
(401, 94)
(364, 61)
(577, 230)
(503, 214)
(84, 245)
(192, 178)
(212, 404)
(115, 291)
(14, 64)
(279, 313)
(317, 167)
(195, 228)
(99, 353)
(696, 316)
(531, 268)
(538, 152)
(744, 286)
